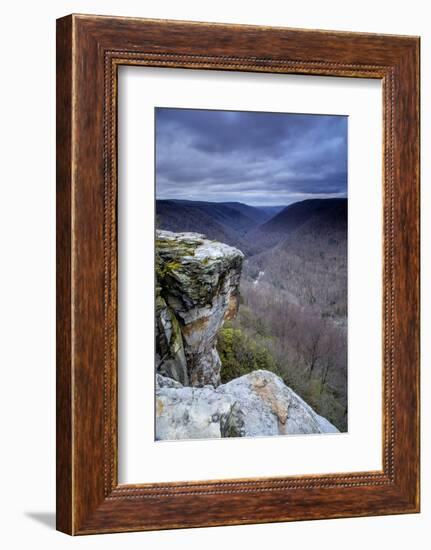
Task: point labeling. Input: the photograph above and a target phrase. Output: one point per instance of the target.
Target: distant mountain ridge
(298, 213)
(236, 215)
(272, 210)
(256, 229)
(300, 218)
(180, 216)
(227, 222)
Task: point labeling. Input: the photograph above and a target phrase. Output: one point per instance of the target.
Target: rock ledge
(256, 404)
(197, 289)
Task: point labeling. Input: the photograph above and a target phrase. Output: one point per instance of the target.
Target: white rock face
(256, 404)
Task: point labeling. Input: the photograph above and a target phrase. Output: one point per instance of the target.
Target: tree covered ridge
(292, 318)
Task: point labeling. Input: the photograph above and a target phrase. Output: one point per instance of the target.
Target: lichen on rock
(197, 288)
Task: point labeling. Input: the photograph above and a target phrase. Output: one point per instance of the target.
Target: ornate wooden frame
(89, 51)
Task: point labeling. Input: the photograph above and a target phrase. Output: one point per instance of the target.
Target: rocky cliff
(197, 288)
(256, 404)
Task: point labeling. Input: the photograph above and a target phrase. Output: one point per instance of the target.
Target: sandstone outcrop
(256, 404)
(197, 289)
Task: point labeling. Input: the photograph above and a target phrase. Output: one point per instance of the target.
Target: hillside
(307, 217)
(197, 293)
(230, 215)
(271, 211)
(292, 317)
(181, 216)
(226, 222)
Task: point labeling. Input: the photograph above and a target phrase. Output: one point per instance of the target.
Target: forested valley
(292, 318)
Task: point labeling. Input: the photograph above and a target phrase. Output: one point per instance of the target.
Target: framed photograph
(237, 274)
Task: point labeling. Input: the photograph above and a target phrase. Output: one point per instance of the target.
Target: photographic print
(251, 274)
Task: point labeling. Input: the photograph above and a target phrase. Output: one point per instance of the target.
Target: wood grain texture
(64, 497)
(90, 49)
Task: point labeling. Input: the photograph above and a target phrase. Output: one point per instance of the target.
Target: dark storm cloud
(256, 158)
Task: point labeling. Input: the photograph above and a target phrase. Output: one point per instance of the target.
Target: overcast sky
(255, 158)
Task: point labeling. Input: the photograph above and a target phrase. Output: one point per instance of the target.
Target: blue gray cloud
(251, 157)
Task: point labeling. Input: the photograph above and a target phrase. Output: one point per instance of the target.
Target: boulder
(256, 404)
(197, 289)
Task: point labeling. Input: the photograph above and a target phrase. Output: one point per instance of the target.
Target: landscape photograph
(250, 274)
